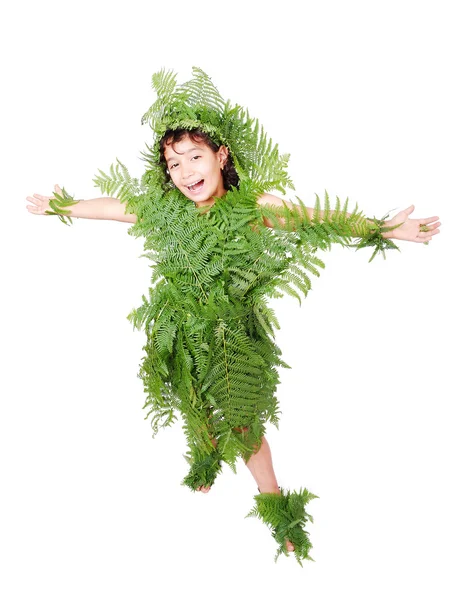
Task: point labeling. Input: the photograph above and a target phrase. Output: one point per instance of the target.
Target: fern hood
(197, 104)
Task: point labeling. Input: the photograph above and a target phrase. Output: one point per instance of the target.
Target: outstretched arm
(400, 227)
(96, 208)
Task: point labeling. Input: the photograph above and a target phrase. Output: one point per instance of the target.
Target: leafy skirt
(215, 365)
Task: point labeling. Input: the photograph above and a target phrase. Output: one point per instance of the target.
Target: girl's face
(195, 170)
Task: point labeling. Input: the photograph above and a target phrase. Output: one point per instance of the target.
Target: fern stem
(193, 271)
(227, 371)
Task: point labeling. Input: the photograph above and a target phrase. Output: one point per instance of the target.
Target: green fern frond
(118, 183)
(59, 205)
(285, 515)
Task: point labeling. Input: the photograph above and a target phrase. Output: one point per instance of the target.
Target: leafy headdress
(197, 104)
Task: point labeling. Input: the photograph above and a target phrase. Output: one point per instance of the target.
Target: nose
(187, 170)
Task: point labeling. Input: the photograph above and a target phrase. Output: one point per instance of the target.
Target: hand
(412, 230)
(39, 204)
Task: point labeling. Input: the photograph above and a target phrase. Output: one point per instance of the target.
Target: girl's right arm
(97, 208)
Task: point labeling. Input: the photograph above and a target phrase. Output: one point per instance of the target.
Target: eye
(195, 157)
(174, 165)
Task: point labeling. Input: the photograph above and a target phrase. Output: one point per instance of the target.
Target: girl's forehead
(183, 146)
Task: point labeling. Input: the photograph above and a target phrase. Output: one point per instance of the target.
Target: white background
(359, 94)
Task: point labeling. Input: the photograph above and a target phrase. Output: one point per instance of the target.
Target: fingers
(423, 238)
(432, 230)
(428, 221)
(44, 198)
(33, 200)
(36, 207)
(426, 236)
(39, 197)
(38, 200)
(36, 210)
(409, 210)
(428, 227)
(38, 204)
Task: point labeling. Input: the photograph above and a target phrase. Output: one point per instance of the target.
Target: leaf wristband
(59, 204)
(374, 237)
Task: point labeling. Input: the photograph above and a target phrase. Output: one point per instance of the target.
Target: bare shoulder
(274, 201)
(270, 199)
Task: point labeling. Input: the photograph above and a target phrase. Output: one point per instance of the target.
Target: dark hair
(172, 136)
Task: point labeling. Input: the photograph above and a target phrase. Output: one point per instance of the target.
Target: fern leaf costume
(210, 355)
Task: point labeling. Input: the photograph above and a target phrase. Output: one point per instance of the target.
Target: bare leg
(261, 466)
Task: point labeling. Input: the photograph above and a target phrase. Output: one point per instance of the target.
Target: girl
(222, 245)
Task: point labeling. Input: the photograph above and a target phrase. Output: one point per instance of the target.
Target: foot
(289, 546)
(204, 489)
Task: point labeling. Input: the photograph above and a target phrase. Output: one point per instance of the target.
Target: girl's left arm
(400, 227)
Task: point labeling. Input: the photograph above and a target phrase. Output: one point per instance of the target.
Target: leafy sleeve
(137, 194)
(329, 225)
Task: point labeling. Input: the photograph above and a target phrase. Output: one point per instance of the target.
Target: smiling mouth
(194, 187)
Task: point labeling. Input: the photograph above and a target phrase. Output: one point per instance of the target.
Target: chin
(197, 200)
(194, 198)
(201, 198)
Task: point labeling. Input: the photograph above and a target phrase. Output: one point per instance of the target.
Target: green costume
(210, 355)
